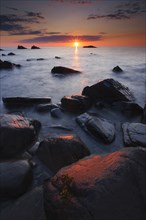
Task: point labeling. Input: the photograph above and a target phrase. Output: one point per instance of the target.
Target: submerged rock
(56, 57)
(46, 107)
(35, 47)
(98, 127)
(117, 69)
(99, 187)
(17, 134)
(25, 100)
(63, 70)
(61, 151)
(134, 134)
(8, 65)
(21, 47)
(76, 103)
(108, 90)
(11, 54)
(16, 177)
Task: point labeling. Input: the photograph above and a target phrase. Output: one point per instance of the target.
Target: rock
(21, 47)
(56, 57)
(8, 65)
(30, 206)
(89, 46)
(3, 54)
(16, 177)
(56, 112)
(40, 59)
(76, 103)
(30, 59)
(17, 134)
(21, 101)
(11, 54)
(143, 120)
(1, 49)
(98, 127)
(61, 151)
(63, 70)
(134, 134)
(46, 107)
(108, 90)
(128, 108)
(34, 47)
(99, 187)
(117, 69)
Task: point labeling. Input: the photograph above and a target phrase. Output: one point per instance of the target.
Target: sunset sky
(61, 22)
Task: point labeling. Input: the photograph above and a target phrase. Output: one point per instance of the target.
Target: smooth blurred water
(34, 78)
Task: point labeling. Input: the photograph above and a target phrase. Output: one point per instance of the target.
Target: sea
(34, 78)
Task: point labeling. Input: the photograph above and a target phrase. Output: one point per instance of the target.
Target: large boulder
(98, 127)
(63, 70)
(99, 187)
(21, 101)
(134, 134)
(30, 206)
(21, 47)
(17, 134)
(61, 151)
(16, 177)
(35, 47)
(76, 103)
(8, 65)
(108, 90)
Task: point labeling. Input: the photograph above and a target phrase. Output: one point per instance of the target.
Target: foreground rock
(17, 134)
(61, 151)
(30, 206)
(8, 65)
(117, 69)
(46, 107)
(16, 177)
(89, 46)
(143, 120)
(25, 100)
(35, 47)
(108, 187)
(134, 134)
(76, 103)
(21, 47)
(63, 70)
(98, 127)
(108, 90)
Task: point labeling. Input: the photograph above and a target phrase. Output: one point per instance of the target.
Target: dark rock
(98, 127)
(134, 134)
(8, 65)
(108, 90)
(17, 134)
(30, 206)
(56, 112)
(61, 151)
(3, 54)
(30, 59)
(21, 101)
(128, 108)
(16, 177)
(117, 69)
(1, 49)
(76, 103)
(63, 70)
(34, 47)
(40, 59)
(143, 120)
(11, 54)
(99, 187)
(56, 57)
(21, 47)
(89, 46)
(46, 107)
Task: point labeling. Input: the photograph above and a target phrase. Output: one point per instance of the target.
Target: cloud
(14, 9)
(34, 14)
(63, 38)
(124, 11)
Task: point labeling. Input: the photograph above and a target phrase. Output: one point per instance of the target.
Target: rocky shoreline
(59, 177)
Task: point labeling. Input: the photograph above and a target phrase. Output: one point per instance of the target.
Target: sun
(76, 43)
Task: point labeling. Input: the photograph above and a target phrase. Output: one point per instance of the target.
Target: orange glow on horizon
(76, 44)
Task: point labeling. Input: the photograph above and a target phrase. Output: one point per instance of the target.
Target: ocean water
(34, 78)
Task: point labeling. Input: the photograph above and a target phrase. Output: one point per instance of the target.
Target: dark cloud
(124, 11)
(82, 2)
(14, 9)
(63, 38)
(34, 14)
(54, 33)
